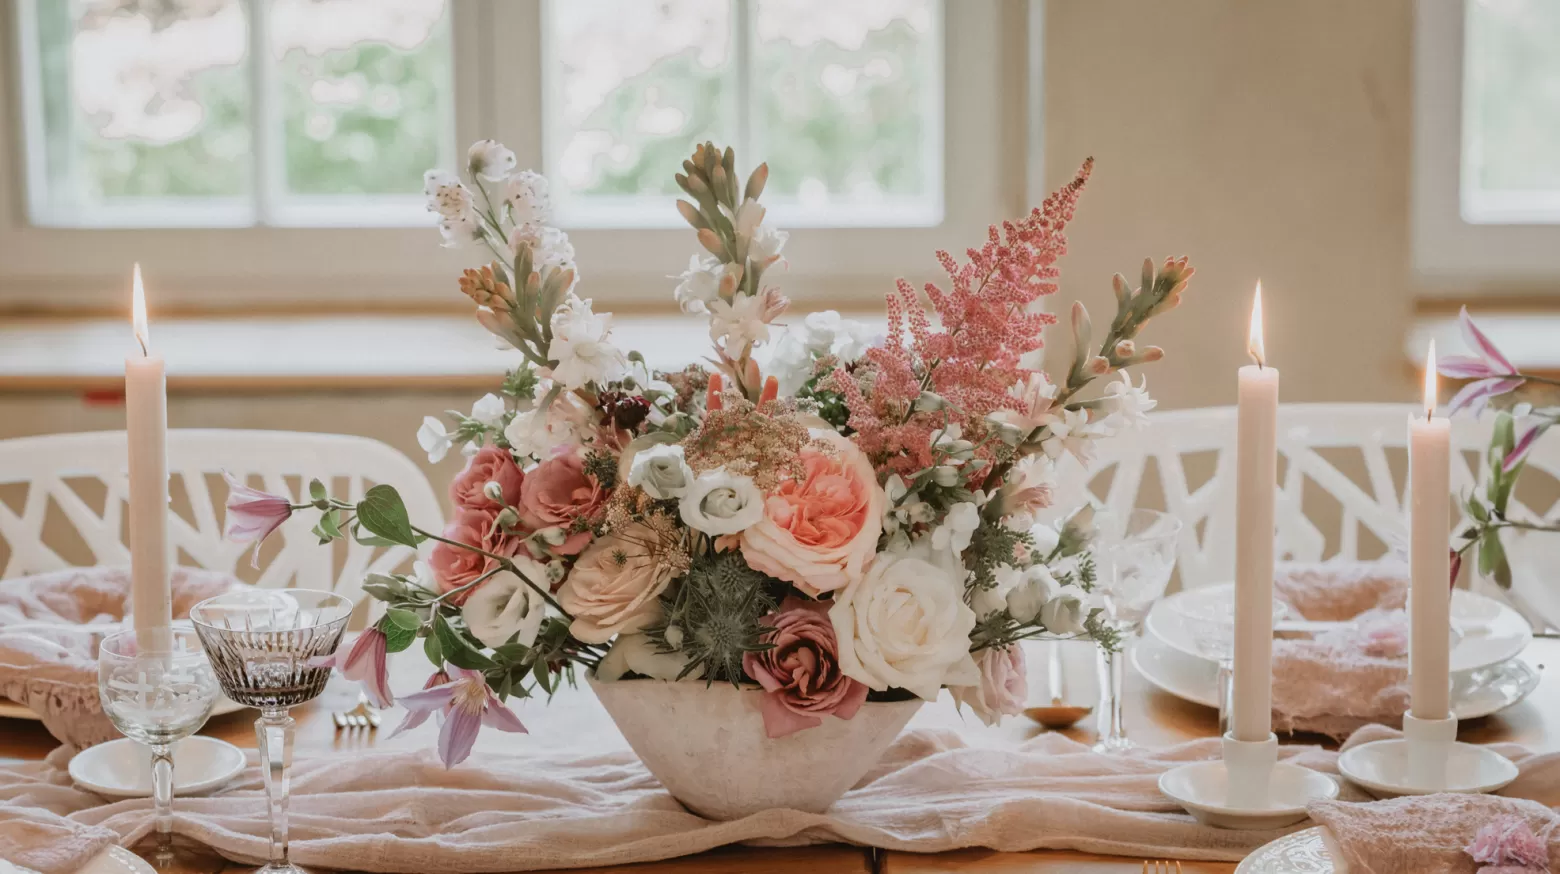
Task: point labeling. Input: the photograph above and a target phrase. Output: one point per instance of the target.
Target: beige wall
(1264, 138)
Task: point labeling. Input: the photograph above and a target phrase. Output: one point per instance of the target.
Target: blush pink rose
(1003, 687)
(454, 567)
(820, 532)
(557, 493)
(491, 464)
(615, 586)
(801, 674)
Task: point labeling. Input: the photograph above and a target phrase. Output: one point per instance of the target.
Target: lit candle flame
(138, 311)
(1254, 341)
(1430, 382)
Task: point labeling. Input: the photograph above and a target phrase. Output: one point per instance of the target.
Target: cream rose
(661, 471)
(819, 531)
(720, 502)
(505, 606)
(904, 624)
(613, 588)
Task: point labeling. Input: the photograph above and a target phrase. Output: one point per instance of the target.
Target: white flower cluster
(1074, 431)
(711, 285)
(822, 333)
(522, 194)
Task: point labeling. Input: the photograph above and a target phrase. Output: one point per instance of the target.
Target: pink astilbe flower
(972, 359)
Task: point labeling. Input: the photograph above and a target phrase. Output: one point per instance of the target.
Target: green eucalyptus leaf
(383, 514)
(457, 650)
(396, 637)
(433, 650)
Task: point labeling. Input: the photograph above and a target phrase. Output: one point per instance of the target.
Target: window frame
(1446, 249)
(499, 93)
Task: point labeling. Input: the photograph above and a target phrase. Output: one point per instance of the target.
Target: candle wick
(142, 341)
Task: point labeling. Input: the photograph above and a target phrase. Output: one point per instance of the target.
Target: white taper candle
(1256, 474)
(1430, 562)
(146, 432)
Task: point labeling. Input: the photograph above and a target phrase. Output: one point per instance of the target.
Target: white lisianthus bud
(493, 491)
(945, 476)
(674, 636)
(553, 536)
(930, 402)
(507, 517)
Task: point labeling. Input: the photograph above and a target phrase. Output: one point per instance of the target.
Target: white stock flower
(957, 528)
(699, 285)
(504, 606)
(661, 471)
(767, 244)
(790, 363)
(1127, 403)
(581, 348)
(904, 625)
(528, 199)
(434, 439)
(538, 432)
(739, 321)
(852, 341)
(720, 502)
(451, 200)
(490, 160)
(489, 410)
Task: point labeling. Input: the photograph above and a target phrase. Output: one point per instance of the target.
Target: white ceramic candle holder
(1248, 789)
(1427, 759)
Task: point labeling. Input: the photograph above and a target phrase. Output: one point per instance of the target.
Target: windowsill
(293, 353)
(1527, 337)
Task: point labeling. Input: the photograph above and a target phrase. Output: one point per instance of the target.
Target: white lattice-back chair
(56, 480)
(1342, 476)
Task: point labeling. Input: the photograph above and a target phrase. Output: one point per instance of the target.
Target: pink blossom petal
(1464, 367)
(458, 735)
(413, 719)
(1481, 344)
(497, 715)
(1475, 395)
(1521, 449)
(429, 699)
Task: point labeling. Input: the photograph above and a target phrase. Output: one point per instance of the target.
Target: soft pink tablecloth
(403, 812)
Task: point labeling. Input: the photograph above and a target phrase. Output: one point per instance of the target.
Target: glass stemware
(264, 646)
(1209, 618)
(157, 698)
(1135, 556)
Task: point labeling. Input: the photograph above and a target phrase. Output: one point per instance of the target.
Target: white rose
(905, 625)
(638, 653)
(720, 502)
(505, 606)
(490, 160)
(1031, 590)
(661, 471)
(1066, 610)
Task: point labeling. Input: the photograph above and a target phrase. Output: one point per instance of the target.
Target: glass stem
(1112, 730)
(274, 731)
(162, 791)
(1226, 680)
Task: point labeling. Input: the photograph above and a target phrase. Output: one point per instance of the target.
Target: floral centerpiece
(817, 515)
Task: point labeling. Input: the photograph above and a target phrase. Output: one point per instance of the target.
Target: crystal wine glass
(264, 646)
(1135, 556)
(157, 698)
(1209, 617)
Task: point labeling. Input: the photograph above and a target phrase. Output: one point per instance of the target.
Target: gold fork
(361, 716)
(1160, 866)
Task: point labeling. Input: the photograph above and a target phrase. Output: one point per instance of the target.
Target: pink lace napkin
(1451, 833)
(1337, 681)
(48, 660)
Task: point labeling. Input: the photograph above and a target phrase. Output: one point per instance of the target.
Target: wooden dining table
(1153, 717)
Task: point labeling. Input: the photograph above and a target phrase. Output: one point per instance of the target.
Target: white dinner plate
(11, 710)
(1310, 851)
(117, 860)
(1489, 632)
(1474, 693)
(123, 768)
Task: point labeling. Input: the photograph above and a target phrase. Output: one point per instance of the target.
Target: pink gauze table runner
(403, 812)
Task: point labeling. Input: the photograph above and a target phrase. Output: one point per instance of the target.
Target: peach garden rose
(614, 587)
(821, 531)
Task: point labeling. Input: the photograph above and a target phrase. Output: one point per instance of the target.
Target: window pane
(364, 92)
(846, 100)
(632, 85)
(142, 104)
(1511, 112)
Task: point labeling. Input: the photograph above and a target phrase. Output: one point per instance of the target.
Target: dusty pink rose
(454, 567)
(819, 532)
(557, 493)
(1004, 684)
(801, 674)
(615, 585)
(491, 464)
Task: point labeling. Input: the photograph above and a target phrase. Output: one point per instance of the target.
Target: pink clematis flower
(252, 514)
(1492, 373)
(365, 662)
(467, 704)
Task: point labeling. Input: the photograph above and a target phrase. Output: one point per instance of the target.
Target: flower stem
(505, 564)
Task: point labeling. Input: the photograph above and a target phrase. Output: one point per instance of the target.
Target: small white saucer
(123, 768)
(1203, 789)
(1381, 768)
(118, 860)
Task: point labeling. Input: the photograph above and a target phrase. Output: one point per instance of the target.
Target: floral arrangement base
(707, 745)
